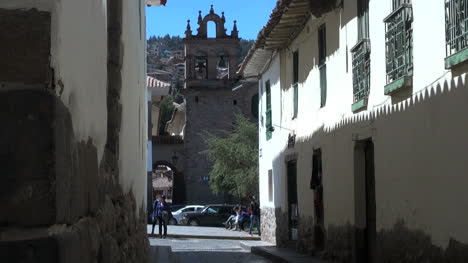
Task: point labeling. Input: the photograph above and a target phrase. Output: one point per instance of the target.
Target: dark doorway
(316, 184)
(365, 203)
(293, 212)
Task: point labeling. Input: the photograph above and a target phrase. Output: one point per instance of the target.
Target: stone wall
(274, 224)
(207, 112)
(398, 244)
(62, 203)
(268, 224)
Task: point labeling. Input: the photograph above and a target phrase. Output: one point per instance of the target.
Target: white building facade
(362, 129)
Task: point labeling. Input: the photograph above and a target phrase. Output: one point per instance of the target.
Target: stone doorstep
(251, 238)
(279, 255)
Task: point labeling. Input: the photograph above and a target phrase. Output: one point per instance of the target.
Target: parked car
(176, 207)
(211, 215)
(177, 215)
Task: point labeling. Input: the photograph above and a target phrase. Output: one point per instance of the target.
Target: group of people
(240, 216)
(162, 214)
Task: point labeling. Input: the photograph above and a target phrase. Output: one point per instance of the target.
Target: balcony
(456, 32)
(361, 74)
(399, 49)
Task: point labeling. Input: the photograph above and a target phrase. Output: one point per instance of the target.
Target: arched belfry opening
(211, 29)
(210, 53)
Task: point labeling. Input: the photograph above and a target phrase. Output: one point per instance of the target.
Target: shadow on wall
(398, 244)
(310, 51)
(409, 138)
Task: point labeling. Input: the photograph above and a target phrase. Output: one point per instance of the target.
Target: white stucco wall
(133, 134)
(418, 149)
(79, 58)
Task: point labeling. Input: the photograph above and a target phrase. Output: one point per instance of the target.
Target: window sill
(359, 105)
(398, 85)
(456, 59)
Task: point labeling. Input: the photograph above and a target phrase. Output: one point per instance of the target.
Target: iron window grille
(361, 70)
(456, 25)
(399, 42)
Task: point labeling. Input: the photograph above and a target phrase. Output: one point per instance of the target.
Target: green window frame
(399, 47)
(456, 32)
(295, 83)
(361, 59)
(269, 122)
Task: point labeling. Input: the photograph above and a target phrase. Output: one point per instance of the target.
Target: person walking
(163, 213)
(255, 216)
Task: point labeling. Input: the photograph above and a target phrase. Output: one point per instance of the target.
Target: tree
(235, 160)
(167, 109)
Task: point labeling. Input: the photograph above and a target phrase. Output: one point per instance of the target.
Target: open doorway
(293, 212)
(365, 203)
(317, 185)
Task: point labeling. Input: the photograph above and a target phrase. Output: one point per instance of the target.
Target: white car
(177, 215)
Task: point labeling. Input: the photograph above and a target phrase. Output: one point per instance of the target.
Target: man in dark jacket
(255, 215)
(161, 211)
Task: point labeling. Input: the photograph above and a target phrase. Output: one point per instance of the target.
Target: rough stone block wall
(25, 45)
(59, 203)
(268, 224)
(274, 226)
(398, 244)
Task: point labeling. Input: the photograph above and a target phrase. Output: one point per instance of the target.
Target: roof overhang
(156, 2)
(287, 20)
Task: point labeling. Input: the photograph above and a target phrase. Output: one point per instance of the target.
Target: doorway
(365, 202)
(317, 185)
(293, 212)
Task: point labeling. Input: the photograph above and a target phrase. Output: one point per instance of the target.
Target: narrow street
(206, 250)
(204, 244)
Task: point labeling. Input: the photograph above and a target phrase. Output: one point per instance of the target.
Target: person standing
(255, 216)
(154, 215)
(163, 213)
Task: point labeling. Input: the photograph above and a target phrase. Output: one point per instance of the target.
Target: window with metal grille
(399, 41)
(361, 58)
(456, 30)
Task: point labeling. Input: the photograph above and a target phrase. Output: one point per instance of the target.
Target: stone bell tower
(210, 74)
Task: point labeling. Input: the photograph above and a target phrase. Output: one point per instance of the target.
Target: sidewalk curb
(250, 238)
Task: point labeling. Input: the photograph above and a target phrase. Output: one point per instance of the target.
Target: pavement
(216, 244)
(203, 233)
(182, 250)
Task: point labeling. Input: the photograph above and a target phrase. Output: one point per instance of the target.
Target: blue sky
(251, 16)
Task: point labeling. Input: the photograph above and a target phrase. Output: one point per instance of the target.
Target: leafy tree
(235, 158)
(245, 46)
(167, 108)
